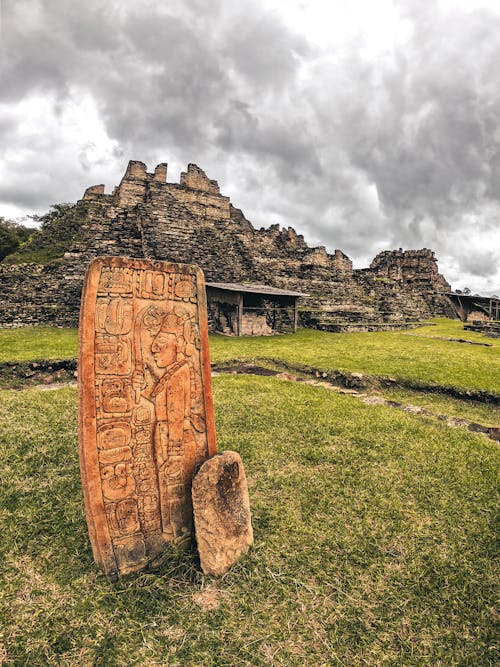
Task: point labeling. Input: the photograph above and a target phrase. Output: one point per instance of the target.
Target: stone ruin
(191, 222)
(146, 421)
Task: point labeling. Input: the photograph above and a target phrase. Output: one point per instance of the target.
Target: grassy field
(374, 543)
(374, 529)
(34, 343)
(474, 411)
(418, 355)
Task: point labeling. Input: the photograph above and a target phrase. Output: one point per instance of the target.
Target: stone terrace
(190, 221)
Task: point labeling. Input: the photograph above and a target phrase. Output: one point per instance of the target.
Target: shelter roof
(255, 289)
(472, 297)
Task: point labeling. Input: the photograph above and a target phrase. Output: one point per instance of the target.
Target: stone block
(221, 508)
(160, 173)
(145, 406)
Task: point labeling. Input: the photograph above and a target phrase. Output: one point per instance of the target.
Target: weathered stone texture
(487, 328)
(192, 222)
(145, 406)
(32, 294)
(221, 510)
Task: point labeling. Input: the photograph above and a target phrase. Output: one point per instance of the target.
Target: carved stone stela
(146, 412)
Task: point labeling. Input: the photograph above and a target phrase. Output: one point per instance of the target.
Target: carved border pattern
(146, 417)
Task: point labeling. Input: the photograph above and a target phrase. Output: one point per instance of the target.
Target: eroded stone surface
(221, 512)
(146, 412)
(191, 221)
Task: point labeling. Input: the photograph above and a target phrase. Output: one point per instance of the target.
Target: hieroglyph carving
(146, 413)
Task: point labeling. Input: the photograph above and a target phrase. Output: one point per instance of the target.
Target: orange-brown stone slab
(145, 406)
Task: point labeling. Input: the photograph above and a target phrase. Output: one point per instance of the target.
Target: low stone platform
(488, 328)
(363, 327)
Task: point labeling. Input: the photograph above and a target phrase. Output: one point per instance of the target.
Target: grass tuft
(374, 543)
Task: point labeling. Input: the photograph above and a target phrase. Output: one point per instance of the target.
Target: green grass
(417, 355)
(483, 413)
(33, 343)
(451, 328)
(408, 355)
(374, 543)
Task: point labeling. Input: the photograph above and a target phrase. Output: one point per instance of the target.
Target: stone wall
(39, 294)
(411, 266)
(191, 221)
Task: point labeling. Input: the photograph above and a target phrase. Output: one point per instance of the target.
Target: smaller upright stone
(221, 510)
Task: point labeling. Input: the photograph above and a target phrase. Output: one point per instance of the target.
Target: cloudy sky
(366, 125)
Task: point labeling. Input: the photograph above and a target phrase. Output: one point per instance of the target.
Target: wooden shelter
(251, 310)
(475, 307)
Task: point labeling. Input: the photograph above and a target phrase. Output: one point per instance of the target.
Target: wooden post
(461, 312)
(240, 314)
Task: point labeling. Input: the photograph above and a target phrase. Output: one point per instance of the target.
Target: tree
(12, 234)
(57, 213)
(57, 230)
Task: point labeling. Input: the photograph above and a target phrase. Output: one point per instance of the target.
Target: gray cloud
(481, 264)
(398, 150)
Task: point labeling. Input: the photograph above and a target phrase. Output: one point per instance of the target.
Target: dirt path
(491, 432)
(451, 340)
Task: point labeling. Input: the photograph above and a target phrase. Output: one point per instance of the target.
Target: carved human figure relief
(145, 406)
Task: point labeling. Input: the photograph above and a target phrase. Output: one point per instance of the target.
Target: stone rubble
(191, 222)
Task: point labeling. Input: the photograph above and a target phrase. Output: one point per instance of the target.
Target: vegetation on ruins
(58, 228)
(12, 235)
